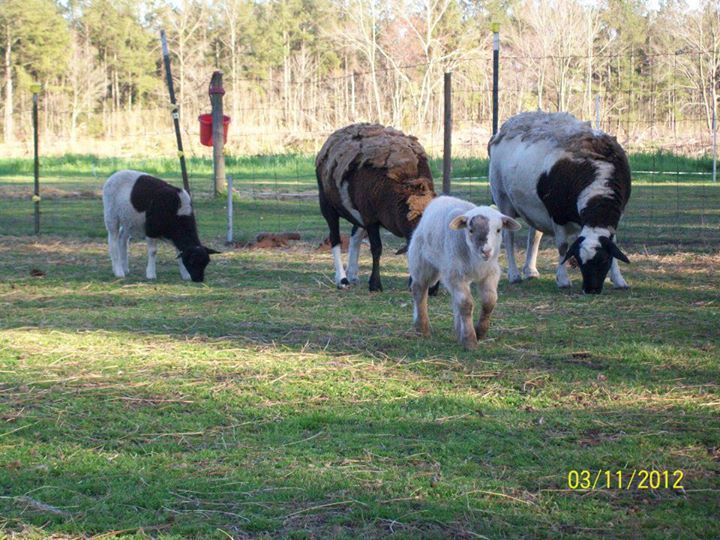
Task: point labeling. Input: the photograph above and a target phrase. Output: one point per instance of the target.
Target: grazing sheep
(373, 176)
(137, 205)
(567, 180)
(459, 243)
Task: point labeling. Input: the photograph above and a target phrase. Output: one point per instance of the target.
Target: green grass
(267, 403)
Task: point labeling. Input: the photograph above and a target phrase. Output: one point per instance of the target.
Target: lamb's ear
(211, 251)
(459, 222)
(510, 223)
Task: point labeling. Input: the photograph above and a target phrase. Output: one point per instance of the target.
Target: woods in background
(297, 69)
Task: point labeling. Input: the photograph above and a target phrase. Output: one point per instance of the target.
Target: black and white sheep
(459, 243)
(137, 205)
(373, 176)
(567, 180)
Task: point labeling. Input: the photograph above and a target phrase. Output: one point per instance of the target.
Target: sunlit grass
(267, 402)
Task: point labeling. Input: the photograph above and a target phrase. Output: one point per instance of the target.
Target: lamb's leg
(462, 315)
(533, 242)
(422, 275)
(376, 250)
(184, 274)
(150, 272)
(420, 307)
(356, 237)
(488, 297)
(616, 277)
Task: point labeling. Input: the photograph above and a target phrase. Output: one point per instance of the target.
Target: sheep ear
(615, 252)
(573, 250)
(510, 223)
(179, 255)
(211, 251)
(459, 222)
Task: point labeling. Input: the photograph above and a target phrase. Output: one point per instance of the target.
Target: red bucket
(206, 129)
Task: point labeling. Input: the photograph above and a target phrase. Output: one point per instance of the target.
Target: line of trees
(295, 69)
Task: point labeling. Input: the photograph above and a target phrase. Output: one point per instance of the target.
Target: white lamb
(458, 243)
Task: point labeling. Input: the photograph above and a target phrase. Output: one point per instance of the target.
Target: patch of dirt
(266, 240)
(325, 244)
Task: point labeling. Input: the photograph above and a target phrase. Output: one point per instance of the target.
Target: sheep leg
(376, 250)
(353, 267)
(616, 277)
(114, 249)
(462, 315)
(509, 242)
(150, 271)
(333, 220)
(123, 246)
(506, 208)
(533, 243)
(488, 297)
(562, 241)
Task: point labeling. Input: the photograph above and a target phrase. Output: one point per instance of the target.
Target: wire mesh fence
(279, 124)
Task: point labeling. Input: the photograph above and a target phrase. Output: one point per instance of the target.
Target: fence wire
(279, 124)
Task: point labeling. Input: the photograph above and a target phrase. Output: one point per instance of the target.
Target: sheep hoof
(422, 330)
(353, 280)
(531, 274)
(470, 344)
(622, 287)
(343, 284)
(376, 287)
(515, 278)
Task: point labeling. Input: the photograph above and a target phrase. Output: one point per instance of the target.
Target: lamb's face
(196, 260)
(483, 230)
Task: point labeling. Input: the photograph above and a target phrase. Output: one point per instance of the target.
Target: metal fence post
(496, 71)
(175, 110)
(35, 88)
(447, 142)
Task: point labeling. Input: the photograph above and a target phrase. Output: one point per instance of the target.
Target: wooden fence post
(217, 92)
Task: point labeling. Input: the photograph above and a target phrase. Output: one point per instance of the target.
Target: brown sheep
(372, 176)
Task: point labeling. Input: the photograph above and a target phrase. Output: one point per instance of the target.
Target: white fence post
(597, 112)
(229, 209)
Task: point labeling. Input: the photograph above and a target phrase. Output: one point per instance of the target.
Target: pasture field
(265, 403)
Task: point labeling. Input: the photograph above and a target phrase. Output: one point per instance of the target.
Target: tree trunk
(8, 130)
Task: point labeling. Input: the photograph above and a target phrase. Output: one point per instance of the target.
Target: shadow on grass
(123, 458)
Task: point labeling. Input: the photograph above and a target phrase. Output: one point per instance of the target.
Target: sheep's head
(195, 260)
(483, 230)
(594, 251)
